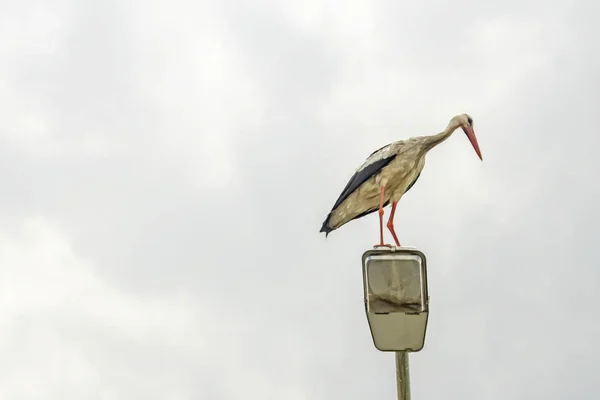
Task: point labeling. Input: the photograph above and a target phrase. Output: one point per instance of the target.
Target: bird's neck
(436, 139)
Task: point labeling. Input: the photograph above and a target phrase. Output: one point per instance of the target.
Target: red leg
(381, 244)
(390, 223)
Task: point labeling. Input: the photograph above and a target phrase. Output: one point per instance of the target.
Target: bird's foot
(383, 245)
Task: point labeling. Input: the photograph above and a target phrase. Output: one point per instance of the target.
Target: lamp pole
(402, 375)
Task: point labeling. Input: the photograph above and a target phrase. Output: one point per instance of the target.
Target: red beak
(471, 135)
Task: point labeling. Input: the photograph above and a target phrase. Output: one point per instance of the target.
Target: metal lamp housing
(396, 298)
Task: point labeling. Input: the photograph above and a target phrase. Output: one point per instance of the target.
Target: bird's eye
(470, 120)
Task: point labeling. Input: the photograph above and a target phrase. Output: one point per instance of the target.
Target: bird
(387, 174)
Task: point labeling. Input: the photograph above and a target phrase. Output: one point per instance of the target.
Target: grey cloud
(296, 68)
(509, 241)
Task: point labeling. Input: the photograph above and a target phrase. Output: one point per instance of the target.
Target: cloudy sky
(166, 167)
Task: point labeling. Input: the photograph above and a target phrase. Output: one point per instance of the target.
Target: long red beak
(471, 135)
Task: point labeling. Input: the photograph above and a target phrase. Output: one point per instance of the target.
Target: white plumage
(386, 175)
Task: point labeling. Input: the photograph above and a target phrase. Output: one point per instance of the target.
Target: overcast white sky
(166, 167)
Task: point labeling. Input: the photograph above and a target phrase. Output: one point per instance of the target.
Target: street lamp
(396, 304)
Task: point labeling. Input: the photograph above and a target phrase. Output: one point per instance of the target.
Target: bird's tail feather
(325, 228)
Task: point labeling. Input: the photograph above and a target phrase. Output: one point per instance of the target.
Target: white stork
(386, 175)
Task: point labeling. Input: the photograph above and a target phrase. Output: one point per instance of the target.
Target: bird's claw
(383, 245)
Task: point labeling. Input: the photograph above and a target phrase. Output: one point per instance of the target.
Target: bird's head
(465, 122)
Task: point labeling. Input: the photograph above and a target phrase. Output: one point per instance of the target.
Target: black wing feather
(386, 202)
(376, 208)
(361, 177)
(355, 181)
